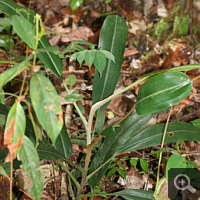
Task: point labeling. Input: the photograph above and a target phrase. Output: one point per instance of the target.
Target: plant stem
(73, 164)
(163, 139)
(71, 176)
(77, 108)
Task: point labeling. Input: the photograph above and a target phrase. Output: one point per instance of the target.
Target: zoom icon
(182, 182)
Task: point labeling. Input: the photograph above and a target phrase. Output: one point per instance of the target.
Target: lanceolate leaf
(129, 194)
(52, 61)
(162, 91)
(47, 151)
(4, 110)
(111, 145)
(99, 62)
(74, 4)
(46, 105)
(113, 37)
(176, 132)
(30, 162)
(9, 74)
(24, 30)
(89, 58)
(14, 130)
(63, 143)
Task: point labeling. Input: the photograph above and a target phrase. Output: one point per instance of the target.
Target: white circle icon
(184, 181)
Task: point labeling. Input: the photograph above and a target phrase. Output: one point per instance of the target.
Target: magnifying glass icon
(184, 181)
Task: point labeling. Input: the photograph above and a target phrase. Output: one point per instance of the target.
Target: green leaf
(108, 55)
(133, 162)
(113, 37)
(2, 172)
(15, 125)
(53, 49)
(74, 4)
(63, 143)
(30, 162)
(175, 161)
(100, 123)
(81, 57)
(144, 165)
(111, 172)
(71, 80)
(6, 41)
(162, 91)
(9, 74)
(2, 96)
(99, 62)
(122, 174)
(11, 8)
(89, 57)
(73, 97)
(112, 144)
(176, 132)
(47, 151)
(24, 30)
(47, 106)
(52, 61)
(184, 25)
(196, 123)
(108, 131)
(129, 194)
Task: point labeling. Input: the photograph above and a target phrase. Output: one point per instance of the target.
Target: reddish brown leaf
(9, 133)
(12, 148)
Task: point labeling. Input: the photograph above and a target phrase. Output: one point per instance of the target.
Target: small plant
(23, 134)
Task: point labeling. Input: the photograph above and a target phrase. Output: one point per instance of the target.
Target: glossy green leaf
(99, 62)
(113, 37)
(176, 132)
(162, 91)
(175, 161)
(30, 162)
(74, 4)
(89, 57)
(121, 173)
(9, 74)
(24, 29)
(133, 162)
(144, 165)
(52, 61)
(112, 144)
(15, 124)
(73, 96)
(47, 151)
(47, 106)
(63, 143)
(129, 194)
